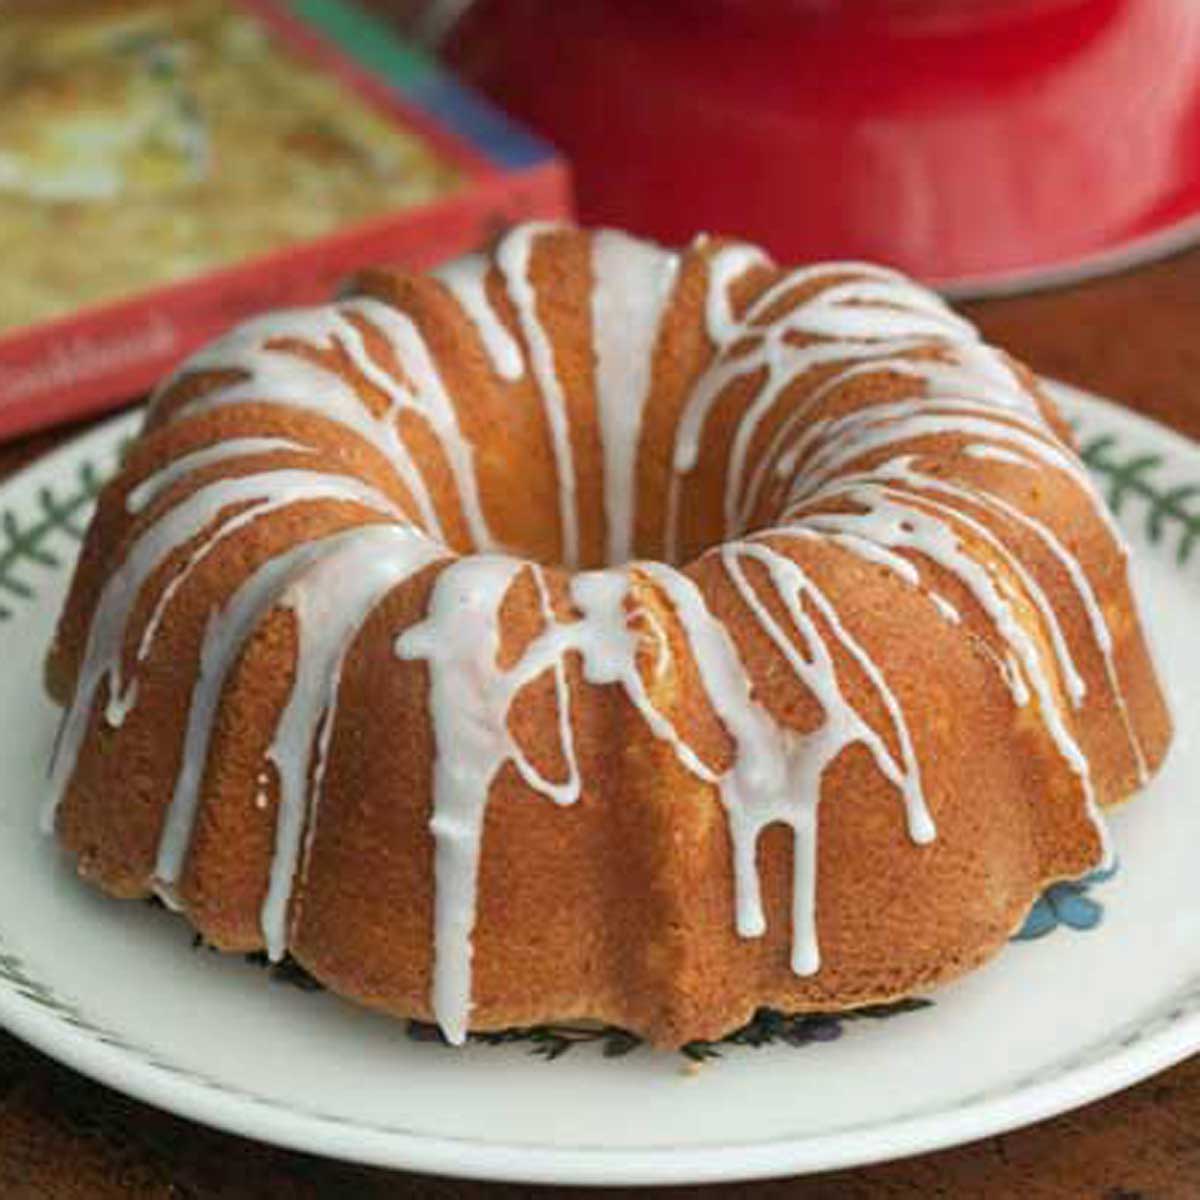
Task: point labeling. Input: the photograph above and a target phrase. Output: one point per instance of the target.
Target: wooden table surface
(1133, 337)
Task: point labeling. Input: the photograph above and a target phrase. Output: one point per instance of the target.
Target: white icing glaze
(268, 373)
(946, 608)
(844, 441)
(609, 643)
(1097, 621)
(466, 279)
(1017, 444)
(883, 312)
(806, 757)
(901, 471)
(427, 396)
(947, 379)
(513, 256)
(725, 268)
(891, 518)
(469, 698)
(224, 639)
(330, 600)
(153, 486)
(633, 281)
(774, 775)
(249, 497)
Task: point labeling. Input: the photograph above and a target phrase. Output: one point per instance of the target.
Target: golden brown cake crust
(882, 528)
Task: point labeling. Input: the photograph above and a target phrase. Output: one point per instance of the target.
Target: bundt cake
(590, 630)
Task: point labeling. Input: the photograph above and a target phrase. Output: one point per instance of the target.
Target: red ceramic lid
(975, 143)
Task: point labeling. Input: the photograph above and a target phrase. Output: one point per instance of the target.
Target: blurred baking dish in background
(148, 140)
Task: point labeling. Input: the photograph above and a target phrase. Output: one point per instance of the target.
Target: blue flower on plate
(1066, 904)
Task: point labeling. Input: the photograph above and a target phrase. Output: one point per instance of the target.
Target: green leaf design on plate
(28, 540)
(1170, 509)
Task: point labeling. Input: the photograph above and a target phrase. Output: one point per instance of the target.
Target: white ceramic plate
(116, 991)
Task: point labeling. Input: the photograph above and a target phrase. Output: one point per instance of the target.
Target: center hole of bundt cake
(542, 541)
(673, 518)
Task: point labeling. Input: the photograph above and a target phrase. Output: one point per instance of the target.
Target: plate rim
(1117, 1060)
